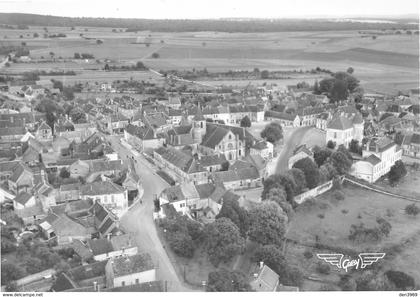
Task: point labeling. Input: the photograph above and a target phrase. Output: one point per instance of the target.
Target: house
(21, 179)
(265, 279)
(379, 155)
(181, 165)
(180, 136)
(142, 138)
(12, 134)
(105, 248)
(130, 270)
(104, 220)
(174, 102)
(84, 276)
(300, 152)
(64, 228)
(411, 145)
(283, 118)
(23, 200)
(212, 162)
(262, 148)
(342, 129)
(235, 179)
(44, 133)
(68, 192)
(191, 198)
(111, 195)
(322, 120)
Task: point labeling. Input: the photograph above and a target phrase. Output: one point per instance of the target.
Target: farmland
(386, 63)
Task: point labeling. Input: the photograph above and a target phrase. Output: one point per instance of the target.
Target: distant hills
(221, 25)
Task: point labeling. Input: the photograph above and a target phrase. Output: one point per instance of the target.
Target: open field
(361, 206)
(385, 64)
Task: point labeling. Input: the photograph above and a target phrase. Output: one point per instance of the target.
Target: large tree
(299, 178)
(279, 196)
(339, 91)
(311, 171)
(223, 240)
(246, 122)
(340, 162)
(273, 132)
(273, 257)
(397, 172)
(321, 155)
(224, 280)
(237, 214)
(10, 272)
(268, 223)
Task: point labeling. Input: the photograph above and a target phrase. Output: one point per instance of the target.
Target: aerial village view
(228, 155)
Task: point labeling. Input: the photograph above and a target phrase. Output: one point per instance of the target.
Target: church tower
(199, 126)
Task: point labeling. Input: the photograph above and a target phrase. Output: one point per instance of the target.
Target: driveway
(139, 222)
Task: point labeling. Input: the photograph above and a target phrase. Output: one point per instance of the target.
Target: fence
(314, 192)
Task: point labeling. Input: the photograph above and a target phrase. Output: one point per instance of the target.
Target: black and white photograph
(210, 146)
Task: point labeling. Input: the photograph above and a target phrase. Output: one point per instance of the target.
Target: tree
(10, 272)
(268, 223)
(311, 171)
(273, 257)
(77, 56)
(371, 281)
(293, 277)
(347, 283)
(350, 81)
(265, 74)
(33, 265)
(224, 280)
(273, 132)
(181, 244)
(321, 155)
(339, 91)
(316, 88)
(155, 55)
(350, 70)
(412, 209)
(340, 162)
(233, 211)
(284, 181)
(401, 280)
(36, 35)
(225, 166)
(279, 196)
(98, 41)
(330, 144)
(58, 85)
(77, 116)
(355, 147)
(224, 240)
(246, 122)
(299, 178)
(397, 172)
(64, 173)
(68, 93)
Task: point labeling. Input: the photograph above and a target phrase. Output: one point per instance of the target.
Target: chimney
(108, 236)
(261, 264)
(11, 119)
(95, 286)
(377, 147)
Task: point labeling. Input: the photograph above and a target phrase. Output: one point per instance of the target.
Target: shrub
(308, 254)
(344, 211)
(321, 216)
(400, 279)
(412, 209)
(323, 268)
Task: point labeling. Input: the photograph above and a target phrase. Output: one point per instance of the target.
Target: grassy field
(359, 206)
(385, 64)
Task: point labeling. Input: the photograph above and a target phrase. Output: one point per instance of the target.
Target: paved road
(138, 221)
(290, 144)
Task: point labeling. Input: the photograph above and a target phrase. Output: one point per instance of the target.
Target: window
(137, 281)
(230, 136)
(201, 124)
(122, 284)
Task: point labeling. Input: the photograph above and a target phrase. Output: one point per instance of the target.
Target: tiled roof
(280, 115)
(372, 159)
(340, 123)
(12, 131)
(100, 246)
(212, 160)
(140, 132)
(267, 280)
(236, 175)
(130, 265)
(23, 198)
(180, 159)
(302, 148)
(101, 188)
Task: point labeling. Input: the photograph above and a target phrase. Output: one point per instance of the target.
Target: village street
(139, 222)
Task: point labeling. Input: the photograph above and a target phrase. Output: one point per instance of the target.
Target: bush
(331, 144)
(344, 211)
(323, 268)
(412, 209)
(400, 279)
(321, 216)
(308, 254)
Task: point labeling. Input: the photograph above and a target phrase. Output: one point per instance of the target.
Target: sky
(207, 9)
